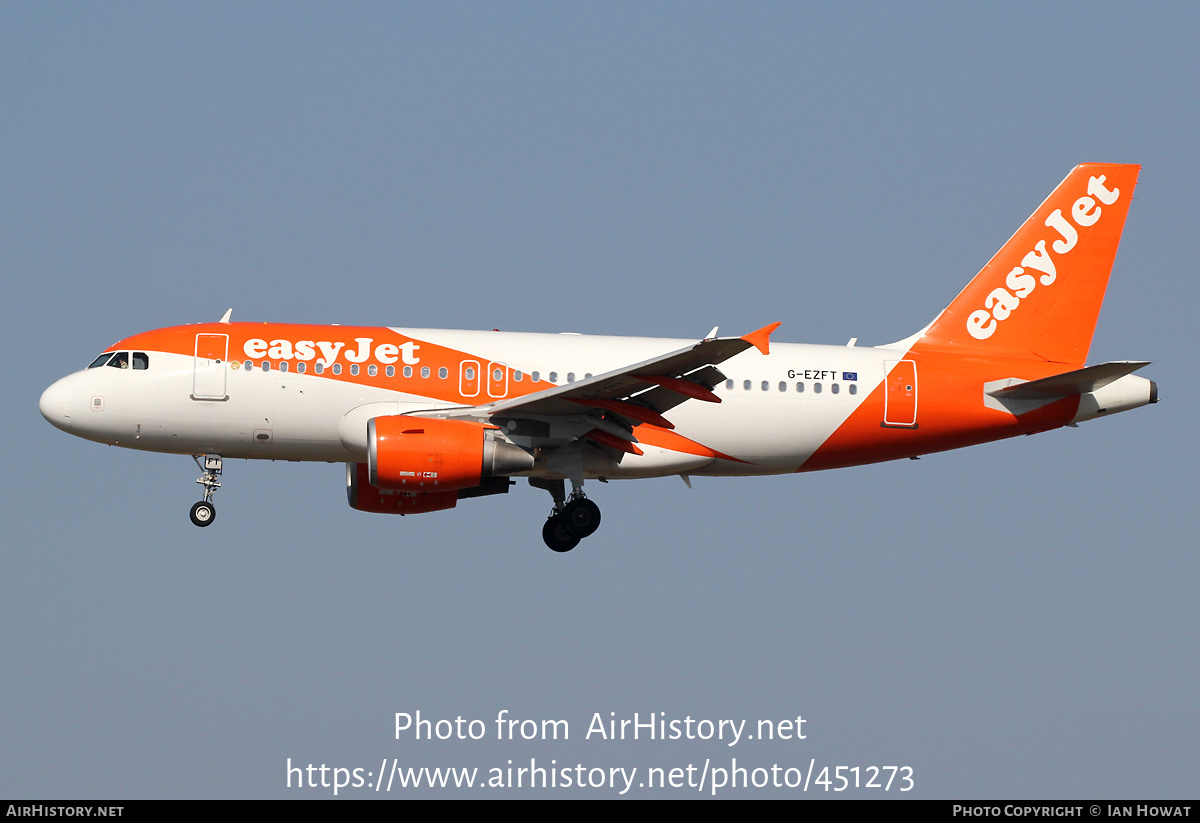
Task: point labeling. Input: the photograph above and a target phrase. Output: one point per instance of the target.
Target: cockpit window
(101, 360)
(141, 360)
(120, 360)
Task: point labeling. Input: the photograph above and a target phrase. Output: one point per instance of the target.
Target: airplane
(426, 418)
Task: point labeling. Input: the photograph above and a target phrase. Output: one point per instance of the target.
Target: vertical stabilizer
(1040, 295)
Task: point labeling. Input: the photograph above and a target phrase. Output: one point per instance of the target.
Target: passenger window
(140, 361)
(835, 388)
(101, 360)
(854, 388)
(372, 370)
(318, 367)
(782, 386)
(766, 386)
(729, 385)
(391, 371)
(554, 377)
(536, 376)
(300, 368)
(424, 371)
(120, 360)
(517, 376)
(817, 388)
(469, 373)
(443, 372)
(570, 377)
(266, 365)
(746, 386)
(799, 388)
(498, 375)
(283, 367)
(337, 368)
(354, 369)
(408, 371)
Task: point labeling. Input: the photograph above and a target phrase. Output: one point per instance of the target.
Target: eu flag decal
(849, 375)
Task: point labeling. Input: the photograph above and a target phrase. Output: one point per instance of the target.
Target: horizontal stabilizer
(1079, 381)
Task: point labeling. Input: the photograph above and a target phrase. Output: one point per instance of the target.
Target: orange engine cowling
(366, 498)
(426, 454)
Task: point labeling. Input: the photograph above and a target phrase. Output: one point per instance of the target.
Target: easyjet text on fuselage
(327, 352)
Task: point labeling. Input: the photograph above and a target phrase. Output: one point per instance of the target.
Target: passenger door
(900, 398)
(209, 367)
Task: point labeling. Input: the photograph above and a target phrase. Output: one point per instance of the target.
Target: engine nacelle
(427, 454)
(366, 498)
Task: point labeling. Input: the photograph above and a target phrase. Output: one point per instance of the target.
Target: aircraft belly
(659, 462)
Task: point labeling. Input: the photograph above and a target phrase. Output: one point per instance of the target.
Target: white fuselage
(775, 410)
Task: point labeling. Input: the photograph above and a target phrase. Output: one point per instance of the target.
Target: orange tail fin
(1039, 297)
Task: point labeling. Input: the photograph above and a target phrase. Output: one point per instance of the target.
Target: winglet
(225, 316)
(761, 339)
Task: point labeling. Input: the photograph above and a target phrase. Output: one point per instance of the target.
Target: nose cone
(55, 404)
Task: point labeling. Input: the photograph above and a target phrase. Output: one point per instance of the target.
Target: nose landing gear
(204, 512)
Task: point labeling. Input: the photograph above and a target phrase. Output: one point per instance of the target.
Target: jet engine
(366, 498)
(426, 454)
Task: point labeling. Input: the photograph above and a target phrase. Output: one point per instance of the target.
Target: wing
(607, 407)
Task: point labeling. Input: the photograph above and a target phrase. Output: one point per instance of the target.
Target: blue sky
(1014, 620)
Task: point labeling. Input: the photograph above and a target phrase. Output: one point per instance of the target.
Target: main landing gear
(204, 512)
(572, 520)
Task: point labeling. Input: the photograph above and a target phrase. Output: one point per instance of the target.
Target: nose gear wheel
(203, 514)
